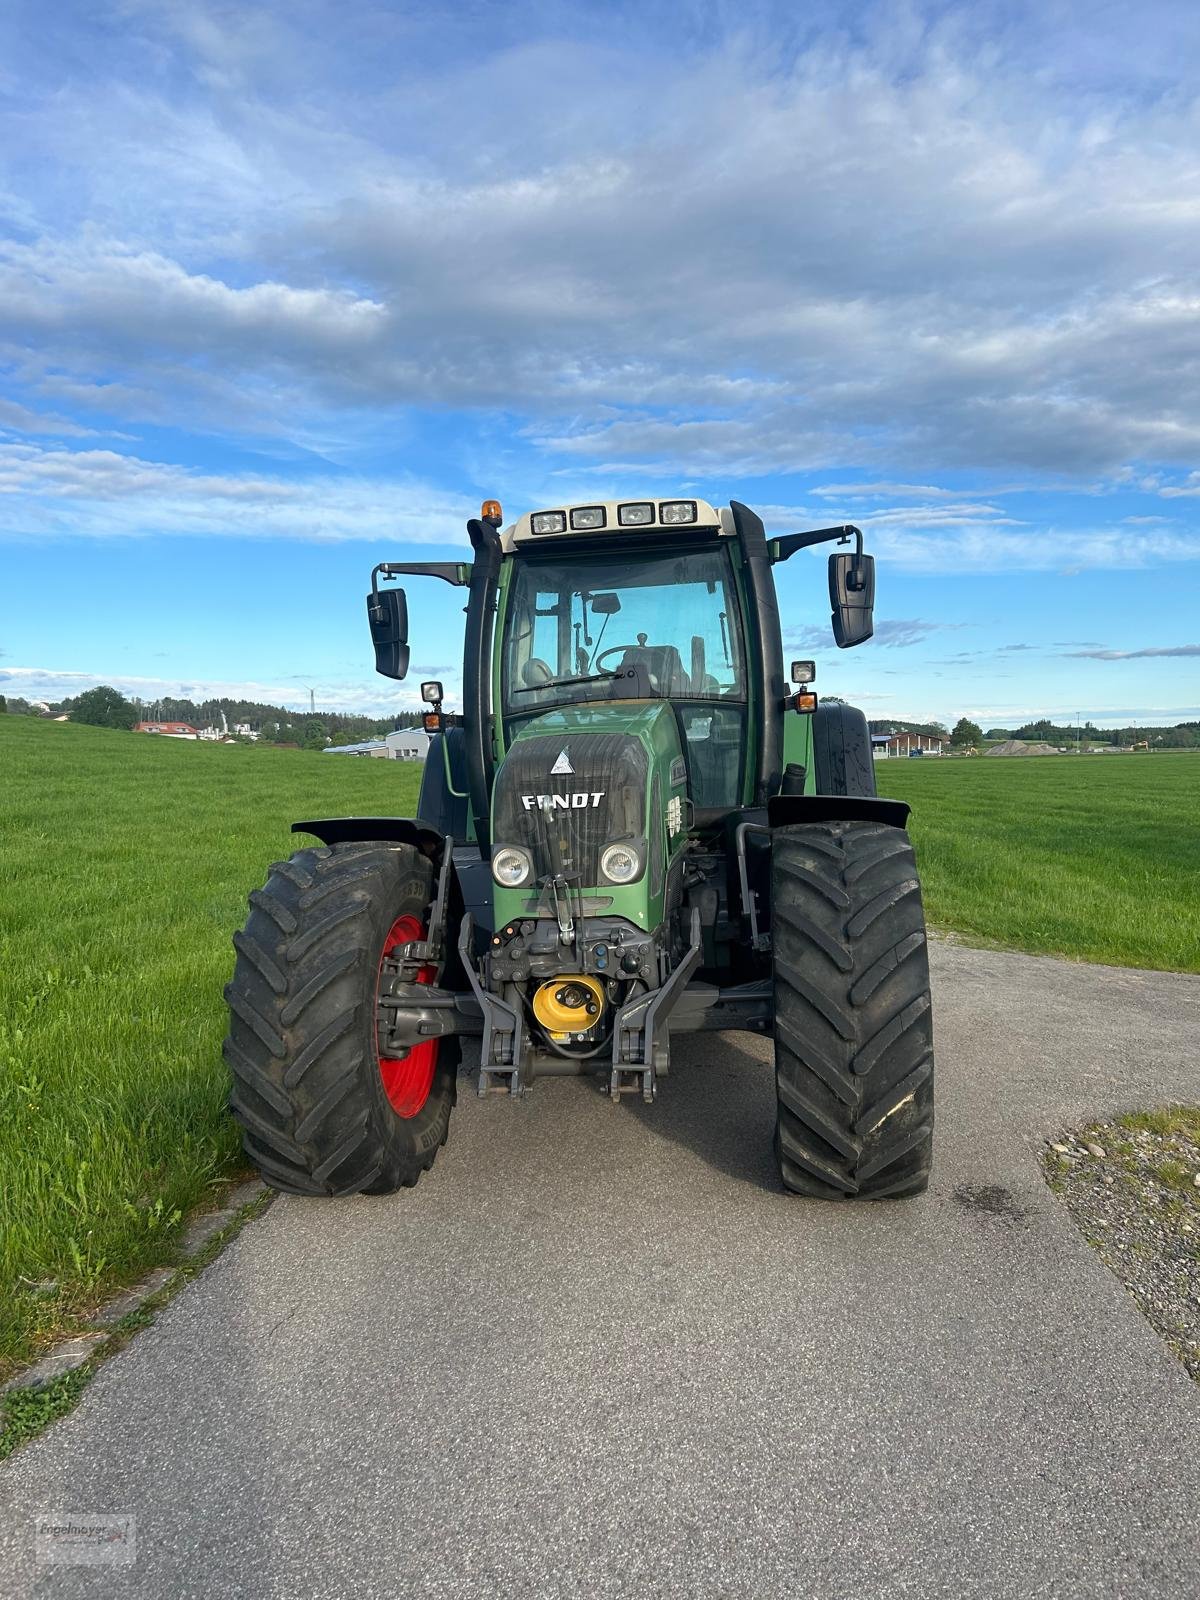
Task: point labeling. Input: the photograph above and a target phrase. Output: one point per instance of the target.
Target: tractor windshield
(571, 625)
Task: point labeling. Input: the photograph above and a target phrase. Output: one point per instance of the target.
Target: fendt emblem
(580, 800)
(562, 768)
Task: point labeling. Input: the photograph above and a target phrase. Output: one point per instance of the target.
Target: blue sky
(286, 290)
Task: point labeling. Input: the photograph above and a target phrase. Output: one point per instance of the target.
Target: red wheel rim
(407, 1079)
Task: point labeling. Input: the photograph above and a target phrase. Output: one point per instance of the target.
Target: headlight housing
(512, 867)
(674, 512)
(620, 863)
(588, 517)
(548, 522)
(636, 513)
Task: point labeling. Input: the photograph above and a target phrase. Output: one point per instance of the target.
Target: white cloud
(57, 492)
(20, 419)
(882, 491)
(970, 551)
(1138, 655)
(1185, 490)
(967, 538)
(890, 632)
(733, 255)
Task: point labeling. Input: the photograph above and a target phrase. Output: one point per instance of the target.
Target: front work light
(804, 671)
(673, 512)
(588, 517)
(512, 867)
(548, 522)
(620, 863)
(636, 514)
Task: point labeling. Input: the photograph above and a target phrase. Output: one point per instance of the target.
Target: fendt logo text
(578, 801)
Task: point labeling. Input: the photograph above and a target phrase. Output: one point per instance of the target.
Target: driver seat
(662, 665)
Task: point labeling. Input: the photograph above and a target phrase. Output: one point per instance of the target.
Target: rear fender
(784, 810)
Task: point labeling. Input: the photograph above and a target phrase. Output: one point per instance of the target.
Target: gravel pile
(1133, 1188)
(1021, 747)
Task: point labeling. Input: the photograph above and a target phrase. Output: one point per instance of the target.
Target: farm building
(905, 744)
(368, 747)
(405, 744)
(169, 730)
(408, 744)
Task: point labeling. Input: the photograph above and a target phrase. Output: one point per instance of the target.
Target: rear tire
(842, 759)
(853, 1032)
(307, 1087)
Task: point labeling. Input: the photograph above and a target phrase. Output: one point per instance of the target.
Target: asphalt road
(597, 1352)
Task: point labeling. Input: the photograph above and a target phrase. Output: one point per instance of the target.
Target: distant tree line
(1183, 736)
(935, 730)
(105, 707)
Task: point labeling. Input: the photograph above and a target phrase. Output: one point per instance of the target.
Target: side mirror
(852, 596)
(606, 605)
(387, 614)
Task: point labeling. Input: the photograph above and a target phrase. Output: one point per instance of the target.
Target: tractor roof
(626, 518)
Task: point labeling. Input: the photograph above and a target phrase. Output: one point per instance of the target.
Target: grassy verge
(1132, 1187)
(25, 1412)
(125, 870)
(1095, 857)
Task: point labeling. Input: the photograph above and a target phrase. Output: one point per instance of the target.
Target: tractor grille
(564, 819)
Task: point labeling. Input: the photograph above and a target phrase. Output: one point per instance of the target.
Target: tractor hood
(581, 778)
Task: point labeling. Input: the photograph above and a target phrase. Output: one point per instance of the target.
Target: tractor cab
(655, 616)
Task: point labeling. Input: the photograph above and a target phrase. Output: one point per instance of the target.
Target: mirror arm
(780, 549)
(455, 572)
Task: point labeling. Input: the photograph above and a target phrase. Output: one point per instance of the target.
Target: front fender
(399, 830)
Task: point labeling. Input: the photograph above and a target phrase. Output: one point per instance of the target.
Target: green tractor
(636, 829)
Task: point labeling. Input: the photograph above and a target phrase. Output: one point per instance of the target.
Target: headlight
(548, 522)
(587, 517)
(620, 863)
(636, 515)
(512, 867)
(673, 512)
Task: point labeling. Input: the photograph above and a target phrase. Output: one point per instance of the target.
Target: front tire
(853, 1031)
(320, 1114)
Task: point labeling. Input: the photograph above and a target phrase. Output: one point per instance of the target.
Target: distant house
(169, 730)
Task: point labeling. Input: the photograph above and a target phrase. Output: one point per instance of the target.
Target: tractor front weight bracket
(639, 1054)
(503, 1031)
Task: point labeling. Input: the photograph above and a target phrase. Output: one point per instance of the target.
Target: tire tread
(853, 1040)
(301, 1046)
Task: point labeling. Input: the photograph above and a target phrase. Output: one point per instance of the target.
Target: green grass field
(1095, 857)
(124, 871)
(125, 867)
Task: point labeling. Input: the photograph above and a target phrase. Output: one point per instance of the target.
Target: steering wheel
(613, 649)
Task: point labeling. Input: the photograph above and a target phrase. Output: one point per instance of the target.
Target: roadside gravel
(1133, 1188)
